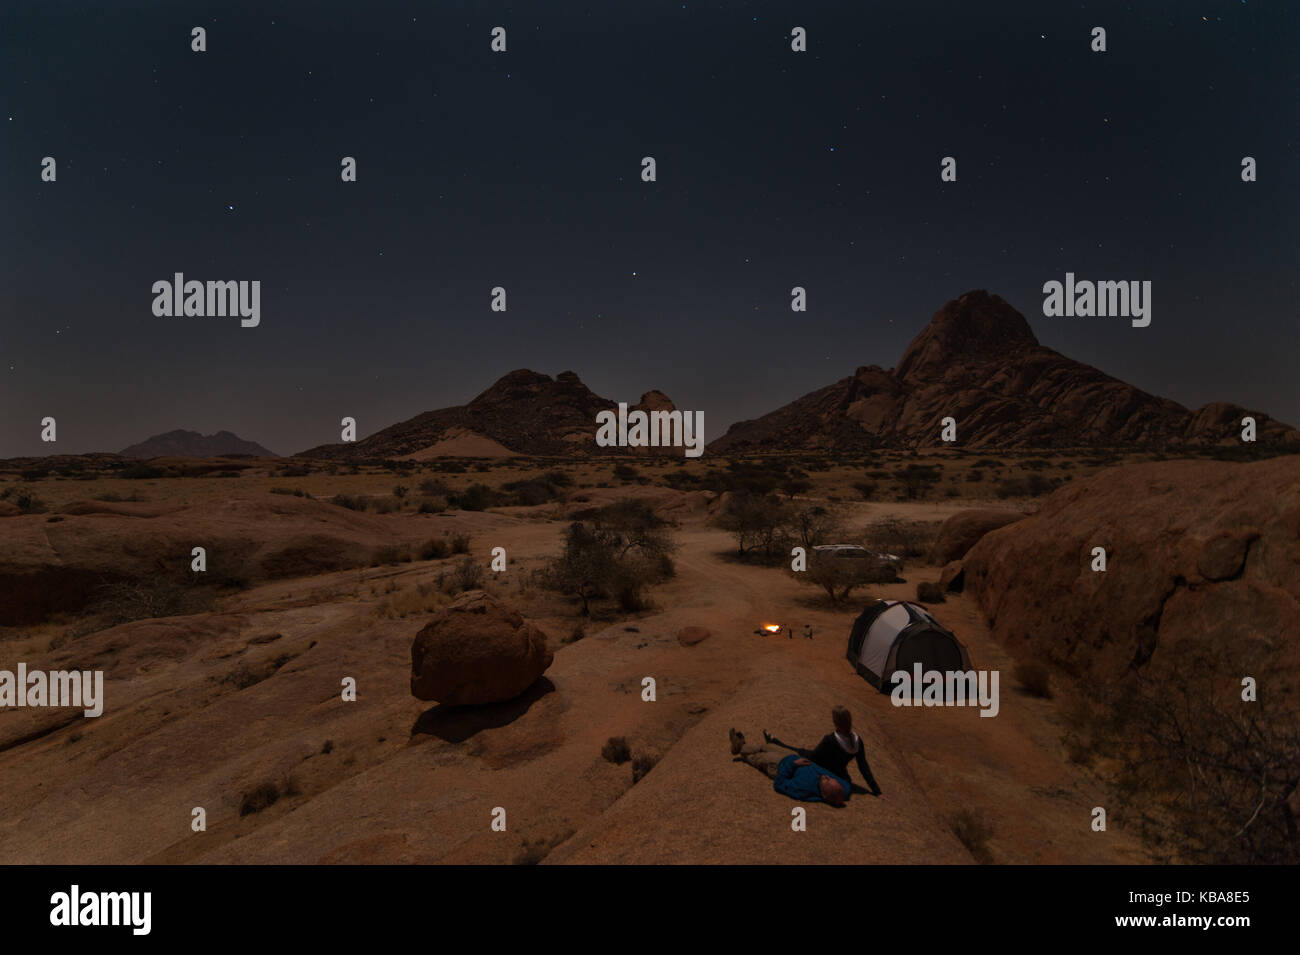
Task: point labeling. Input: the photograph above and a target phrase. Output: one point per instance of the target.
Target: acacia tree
(759, 522)
(618, 553)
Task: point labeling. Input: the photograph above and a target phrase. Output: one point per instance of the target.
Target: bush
(266, 795)
(476, 497)
(136, 472)
(353, 502)
(1032, 485)
(25, 501)
(391, 554)
(616, 750)
(917, 479)
(460, 543)
(469, 575)
(641, 765)
(435, 549)
(533, 492)
(435, 487)
(262, 797)
(866, 488)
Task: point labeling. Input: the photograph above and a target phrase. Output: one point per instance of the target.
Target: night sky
(522, 169)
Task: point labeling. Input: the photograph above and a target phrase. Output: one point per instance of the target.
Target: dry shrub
(616, 750)
(643, 763)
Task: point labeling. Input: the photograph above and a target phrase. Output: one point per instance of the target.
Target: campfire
(769, 628)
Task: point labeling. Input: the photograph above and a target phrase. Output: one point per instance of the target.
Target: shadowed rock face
(979, 362)
(477, 651)
(524, 411)
(1196, 551)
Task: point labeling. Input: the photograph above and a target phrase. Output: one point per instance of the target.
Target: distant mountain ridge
(978, 362)
(191, 444)
(524, 413)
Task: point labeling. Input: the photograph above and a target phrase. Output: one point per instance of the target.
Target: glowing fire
(772, 627)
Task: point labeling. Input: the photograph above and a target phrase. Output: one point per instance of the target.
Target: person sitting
(795, 776)
(837, 749)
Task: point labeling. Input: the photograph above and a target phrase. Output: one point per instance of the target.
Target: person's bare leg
(756, 754)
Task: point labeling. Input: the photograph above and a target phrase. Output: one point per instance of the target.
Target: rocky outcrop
(98, 551)
(962, 531)
(979, 362)
(524, 412)
(477, 651)
(1197, 552)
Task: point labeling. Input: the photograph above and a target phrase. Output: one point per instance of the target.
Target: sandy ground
(391, 779)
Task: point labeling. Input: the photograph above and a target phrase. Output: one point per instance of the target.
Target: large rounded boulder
(963, 530)
(1198, 554)
(477, 650)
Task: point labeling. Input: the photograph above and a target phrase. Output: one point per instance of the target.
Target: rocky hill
(191, 444)
(523, 413)
(979, 362)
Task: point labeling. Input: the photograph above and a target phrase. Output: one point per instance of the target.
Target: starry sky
(522, 169)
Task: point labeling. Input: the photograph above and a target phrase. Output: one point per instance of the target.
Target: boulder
(963, 530)
(477, 650)
(1201, 557)
(689, 636)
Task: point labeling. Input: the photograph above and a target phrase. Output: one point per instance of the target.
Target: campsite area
(226, 696)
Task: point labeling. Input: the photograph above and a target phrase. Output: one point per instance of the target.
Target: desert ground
(231, 703)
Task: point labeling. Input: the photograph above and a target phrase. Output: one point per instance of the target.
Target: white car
(858, 552)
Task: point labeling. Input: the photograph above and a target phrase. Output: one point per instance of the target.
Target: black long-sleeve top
(829, 754)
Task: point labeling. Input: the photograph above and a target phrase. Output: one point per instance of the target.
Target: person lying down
(792, 775)
(817, 775)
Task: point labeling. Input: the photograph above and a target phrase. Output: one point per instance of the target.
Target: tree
(917, 479)
(792, 486)
(814, 525)
(840, 576)
(758, 522)
(623, 549)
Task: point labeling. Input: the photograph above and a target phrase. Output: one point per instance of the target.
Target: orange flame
(772, 627)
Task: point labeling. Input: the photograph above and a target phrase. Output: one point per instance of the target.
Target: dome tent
(893, 635)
